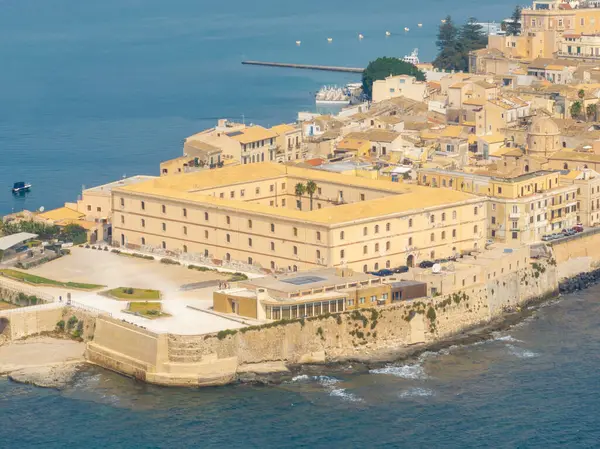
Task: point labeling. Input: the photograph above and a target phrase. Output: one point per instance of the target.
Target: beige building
(588, 194)
(399, 86)
(520, 209)
(253, 217)
(289, 143)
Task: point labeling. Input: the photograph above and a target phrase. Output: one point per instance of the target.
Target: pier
(327, 68)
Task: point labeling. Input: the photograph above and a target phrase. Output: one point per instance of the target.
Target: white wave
(521, 353)
(404, 371)
(344, 394)
(300, 378)
(510, 338)
(327, 381)
(416, 392)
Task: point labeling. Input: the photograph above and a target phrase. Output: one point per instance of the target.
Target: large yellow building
(253, 217)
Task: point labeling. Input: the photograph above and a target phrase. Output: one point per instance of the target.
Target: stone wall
(215, 359)
(29, 321)
(577, 254)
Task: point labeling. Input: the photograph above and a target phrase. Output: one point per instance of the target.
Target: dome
(544, 126)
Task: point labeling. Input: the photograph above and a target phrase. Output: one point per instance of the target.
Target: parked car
(578, 227)
(546, 238)
(426, 264)
(400, 269)
(383, 272)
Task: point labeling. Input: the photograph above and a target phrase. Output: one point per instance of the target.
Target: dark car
(578, 227)
(383, 272)
(426, 264)
(401, 269)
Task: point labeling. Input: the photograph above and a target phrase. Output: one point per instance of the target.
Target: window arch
(365, 249)
(365, 268)
(376, 247)
(376, 229)
(388, 264)
(432, 237)
(410, 241)
(205, 216)
(376, 267)
(228, 238)
(388, 245)
(318, 254)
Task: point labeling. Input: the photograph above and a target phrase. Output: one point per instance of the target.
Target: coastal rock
(56, 376)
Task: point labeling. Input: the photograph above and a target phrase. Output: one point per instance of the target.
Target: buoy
(298, 42)
(360, 36)
(406, 29)
(420, 25)
(443, 20)
(387, 33)
(329, 39)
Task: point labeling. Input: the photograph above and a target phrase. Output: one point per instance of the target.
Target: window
(432, 237)
(122, 202)
(283, 186)
(410, 240)
(250, 242)
(243, 193)
(376, 247)
(283, 202)
(143, 240)
(250, 261)
(365, 231)
(205, 216)
(98, 209)
(205, 234)
(164, 209)
(295, 250)
(342, 254)
(122, 219)
(318, 254)
(376, 229)
(221, 195)
(362, 298)
(143, 204)
(185, 230)
(373, 298)
(362, 196)
(443, 216)
(228, 238)
(432, 219)
(388, 227)
(185, 248)
(143, 223)
(515, 235)
(272, 246)
(388, 245)
(365, 249)
(475, 210)
(249, 224)
(228, 219)
(349, 302)
(475, 229)
(272, 188)
(272, 227)
(342, 235)
(257, 190)
(454, 215)
(295, 232)
(232, 194)
(272, 265)
(164, 227)
(443, 235)
(454, 233)
(493, 220)
(376, 266)
(318, 236)
(410, 222)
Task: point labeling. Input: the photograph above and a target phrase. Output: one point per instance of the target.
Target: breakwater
(326, 68)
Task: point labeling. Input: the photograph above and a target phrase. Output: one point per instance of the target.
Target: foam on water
(403, 371)
(330, 384)
(521, 353)
(416, 392)
(301, 378)
(509, 338)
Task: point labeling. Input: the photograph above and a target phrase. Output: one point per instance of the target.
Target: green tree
(311, 189)
(450, 55)
(74, 233)
(576, 109)
(381, 68)
(471, 38)
(513, 28)
(581, 94)
(300, 190)
(591, 111)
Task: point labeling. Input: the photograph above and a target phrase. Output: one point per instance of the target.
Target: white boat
(333, 96)
(298, 42)
(387, 33)
(329, 39)
(406, 29)
(419, 25)
(360, 36)
(21, 187)
(413, 58)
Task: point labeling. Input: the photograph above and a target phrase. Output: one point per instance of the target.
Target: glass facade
(289, 312)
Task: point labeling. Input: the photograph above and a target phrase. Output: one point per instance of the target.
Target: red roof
(314, 162)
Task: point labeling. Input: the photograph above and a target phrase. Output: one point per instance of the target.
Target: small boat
(406, 29)
(329, 39)
(413, 58)
(387, 33)
(21, 187)
(360, 36)
(419, 25)
(298, 42)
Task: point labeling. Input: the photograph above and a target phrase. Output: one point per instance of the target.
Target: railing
(51, 305)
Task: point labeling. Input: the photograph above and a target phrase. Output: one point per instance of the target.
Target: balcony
(514, 215)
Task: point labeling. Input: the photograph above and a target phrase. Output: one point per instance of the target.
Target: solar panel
(303, 280)
(234, 133)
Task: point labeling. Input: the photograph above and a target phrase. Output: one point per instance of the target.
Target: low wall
(27, 321)
(216, 359)
(577, 253)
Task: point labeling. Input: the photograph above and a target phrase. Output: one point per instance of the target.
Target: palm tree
(311, 189)
(591, 110)
(300, 190)
(581, 94)
(575, 109)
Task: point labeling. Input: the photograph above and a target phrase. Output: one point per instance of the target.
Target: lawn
(38, 280)
(147, 309)
(129, 293)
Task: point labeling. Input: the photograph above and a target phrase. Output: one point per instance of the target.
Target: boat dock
(327, 68)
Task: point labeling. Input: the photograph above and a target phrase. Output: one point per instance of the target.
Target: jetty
(327, 68)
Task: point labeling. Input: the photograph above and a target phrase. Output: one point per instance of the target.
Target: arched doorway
(227, 257)
(122, 239)
(410, 261)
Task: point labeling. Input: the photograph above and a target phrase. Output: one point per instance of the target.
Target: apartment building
(289, 143)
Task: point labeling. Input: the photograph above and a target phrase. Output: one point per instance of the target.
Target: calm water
(533, 386)
(92, 91)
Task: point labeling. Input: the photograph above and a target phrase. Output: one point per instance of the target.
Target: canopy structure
(11, 240)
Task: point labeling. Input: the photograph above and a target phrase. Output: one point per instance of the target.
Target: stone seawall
(217, 359)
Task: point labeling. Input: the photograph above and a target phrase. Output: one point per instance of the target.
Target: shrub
(116, 251)
(106, 248)
(153, 312)
(80, 327)
(339, 319)
(320, 333)
(224, 333)
(431, 315)
(61, 325)
(168, 261)
(72, 321)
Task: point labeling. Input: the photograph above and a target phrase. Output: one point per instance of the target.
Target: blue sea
(532, 386)
(93, 91)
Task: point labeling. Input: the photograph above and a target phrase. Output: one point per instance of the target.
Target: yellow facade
(254, 218)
